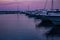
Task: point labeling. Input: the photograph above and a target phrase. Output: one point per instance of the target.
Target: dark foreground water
(21, 27)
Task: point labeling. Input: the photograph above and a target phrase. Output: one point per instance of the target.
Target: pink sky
(23, 5)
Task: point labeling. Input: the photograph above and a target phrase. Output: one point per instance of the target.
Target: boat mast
(45, 4)
(28, 7)
(17, 9)
(52, 5)
(17, 4)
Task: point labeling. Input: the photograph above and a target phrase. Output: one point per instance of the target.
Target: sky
(21, 0)
(24, 4)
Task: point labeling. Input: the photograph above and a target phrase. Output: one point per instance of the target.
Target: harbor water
(22, 27)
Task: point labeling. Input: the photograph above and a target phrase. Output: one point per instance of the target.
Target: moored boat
(53, 15)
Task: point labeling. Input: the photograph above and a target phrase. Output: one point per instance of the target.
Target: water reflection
(21, 27)
(48, 29)
(43, 28)
(55, 31)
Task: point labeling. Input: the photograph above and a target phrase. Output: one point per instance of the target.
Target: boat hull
(54, 19)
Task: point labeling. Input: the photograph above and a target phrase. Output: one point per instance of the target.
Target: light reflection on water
(20, 27)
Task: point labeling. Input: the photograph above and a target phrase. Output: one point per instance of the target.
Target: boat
(52, 15)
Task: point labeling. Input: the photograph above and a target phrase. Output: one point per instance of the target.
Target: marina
(28, 23)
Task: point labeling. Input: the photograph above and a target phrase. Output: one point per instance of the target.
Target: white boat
(53, 15)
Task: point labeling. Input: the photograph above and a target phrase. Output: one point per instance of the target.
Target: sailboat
(53, 15)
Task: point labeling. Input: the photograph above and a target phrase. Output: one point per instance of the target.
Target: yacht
(53, 15)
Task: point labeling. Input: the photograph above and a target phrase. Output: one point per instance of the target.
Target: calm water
(21, 27)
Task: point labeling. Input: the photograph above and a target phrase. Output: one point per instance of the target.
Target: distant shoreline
(9, 12)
